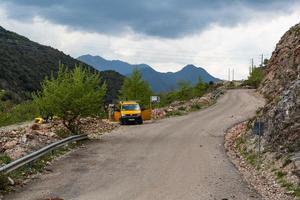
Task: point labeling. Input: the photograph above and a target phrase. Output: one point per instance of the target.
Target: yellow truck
(130, 112)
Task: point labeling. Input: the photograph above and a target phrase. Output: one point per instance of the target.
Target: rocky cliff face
(281, 87)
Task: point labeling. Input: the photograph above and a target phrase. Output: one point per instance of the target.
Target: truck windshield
(131, 107)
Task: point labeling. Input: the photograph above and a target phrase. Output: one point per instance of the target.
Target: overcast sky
(166, 34)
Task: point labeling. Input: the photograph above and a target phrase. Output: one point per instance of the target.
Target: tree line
(76, 93)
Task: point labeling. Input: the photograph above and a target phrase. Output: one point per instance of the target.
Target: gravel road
(176, 158)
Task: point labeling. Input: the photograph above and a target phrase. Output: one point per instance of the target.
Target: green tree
(135, 88)
(5, 105)
(71, 95)
(255, 77)
(200, 88)
(185, 91)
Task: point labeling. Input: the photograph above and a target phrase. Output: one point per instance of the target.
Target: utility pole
(228, 74)
(262, 59)
(252, 64)
(233, 74)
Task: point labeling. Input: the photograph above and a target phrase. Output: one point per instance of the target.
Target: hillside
(24, 64)
(281, 87)
(159, 82)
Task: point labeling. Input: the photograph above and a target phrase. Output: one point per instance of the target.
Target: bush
(195, 107)
(4, 159)
(200, 88)
(185, 91)
(19, 113)
(174, 113)
(71, 95)
(3, 182)
(255, 77)
(62, 133)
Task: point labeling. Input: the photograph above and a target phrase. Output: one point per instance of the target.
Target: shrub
(174, 113)
(4, 159)
(71, 95)
(3, 181)
(23, 112)
(185, 91)
(195, 107)
(255, 77)
(135, 88)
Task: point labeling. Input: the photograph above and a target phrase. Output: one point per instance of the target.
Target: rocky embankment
(184, 107)
(17, 142)
(275, 172)
(260, 173)
(281, 87)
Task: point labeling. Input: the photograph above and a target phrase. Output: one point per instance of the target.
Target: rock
(24, 138)
(281, 86)
(11, 181)
(10, 144)
(16, 152)
(35, 127)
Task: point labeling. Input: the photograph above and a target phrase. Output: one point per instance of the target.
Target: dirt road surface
(176, 158)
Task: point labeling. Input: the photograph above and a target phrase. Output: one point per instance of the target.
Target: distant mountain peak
(190, 66)
(159, 82)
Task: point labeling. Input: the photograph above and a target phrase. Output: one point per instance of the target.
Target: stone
(10, 144)
(11, 181)
(35, 127)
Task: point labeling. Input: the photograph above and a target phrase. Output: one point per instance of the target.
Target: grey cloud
(163, 18)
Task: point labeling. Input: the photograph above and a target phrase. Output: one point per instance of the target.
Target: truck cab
(130, 112)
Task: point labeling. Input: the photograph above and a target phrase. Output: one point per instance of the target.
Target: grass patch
(295, 189)
(3, 182)
(286, 161)
(4, 159)
(251, 157)
(63, 133)
(181, 108)
(19, 113)
(280, 174)
(195, 107)
(174, 113)
(280, 178)
(239, 141)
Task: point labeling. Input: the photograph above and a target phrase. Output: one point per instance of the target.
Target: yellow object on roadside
(39, 120)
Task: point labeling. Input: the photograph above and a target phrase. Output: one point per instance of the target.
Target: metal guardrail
(39, 153)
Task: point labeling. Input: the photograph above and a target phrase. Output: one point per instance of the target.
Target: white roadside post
(154, 99)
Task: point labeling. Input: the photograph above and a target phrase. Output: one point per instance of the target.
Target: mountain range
(159, 81)
(24, 64)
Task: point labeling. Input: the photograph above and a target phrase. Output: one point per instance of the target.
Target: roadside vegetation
(255, 78)
(12, 114)
(71, 95)
(186, 92)
(256, 75)
(135, 88)
(68, 95)
(267, 163)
